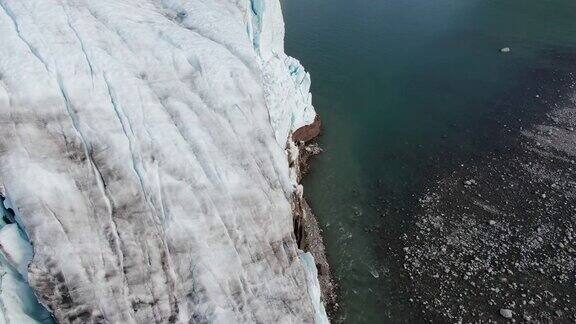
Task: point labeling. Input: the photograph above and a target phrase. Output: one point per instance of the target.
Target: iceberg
(144, 150)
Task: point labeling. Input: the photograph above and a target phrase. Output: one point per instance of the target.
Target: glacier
(18, 304)
(145, 150)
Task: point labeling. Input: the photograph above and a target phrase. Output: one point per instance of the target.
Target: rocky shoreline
(306, 228)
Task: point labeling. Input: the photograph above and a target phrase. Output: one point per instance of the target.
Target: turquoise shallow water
(407, 90)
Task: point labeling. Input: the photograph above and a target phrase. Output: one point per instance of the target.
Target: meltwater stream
(408, 91)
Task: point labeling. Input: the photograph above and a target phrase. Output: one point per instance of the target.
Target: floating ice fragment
(506, 313)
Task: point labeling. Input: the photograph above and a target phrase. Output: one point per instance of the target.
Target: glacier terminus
(147, 166)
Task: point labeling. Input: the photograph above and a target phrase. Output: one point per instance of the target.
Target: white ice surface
(15, 248)
(18, 304)
(287, 84)
(142, 148)
(314, 291)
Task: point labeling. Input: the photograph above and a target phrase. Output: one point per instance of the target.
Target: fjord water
(407, 90)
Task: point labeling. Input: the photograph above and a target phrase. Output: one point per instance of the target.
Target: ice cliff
(143, 153)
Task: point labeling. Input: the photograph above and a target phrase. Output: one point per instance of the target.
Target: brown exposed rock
(307, 133)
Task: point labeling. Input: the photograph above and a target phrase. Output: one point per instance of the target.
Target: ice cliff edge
(144, 151)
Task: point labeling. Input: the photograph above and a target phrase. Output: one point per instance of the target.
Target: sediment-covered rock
(306, 228)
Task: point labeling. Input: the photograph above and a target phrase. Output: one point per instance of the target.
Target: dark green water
(406, 91)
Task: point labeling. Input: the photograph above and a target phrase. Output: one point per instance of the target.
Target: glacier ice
(142, 148)
(314, 291)
(18, 304)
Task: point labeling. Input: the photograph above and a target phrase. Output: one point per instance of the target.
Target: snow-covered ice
(142, 148)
